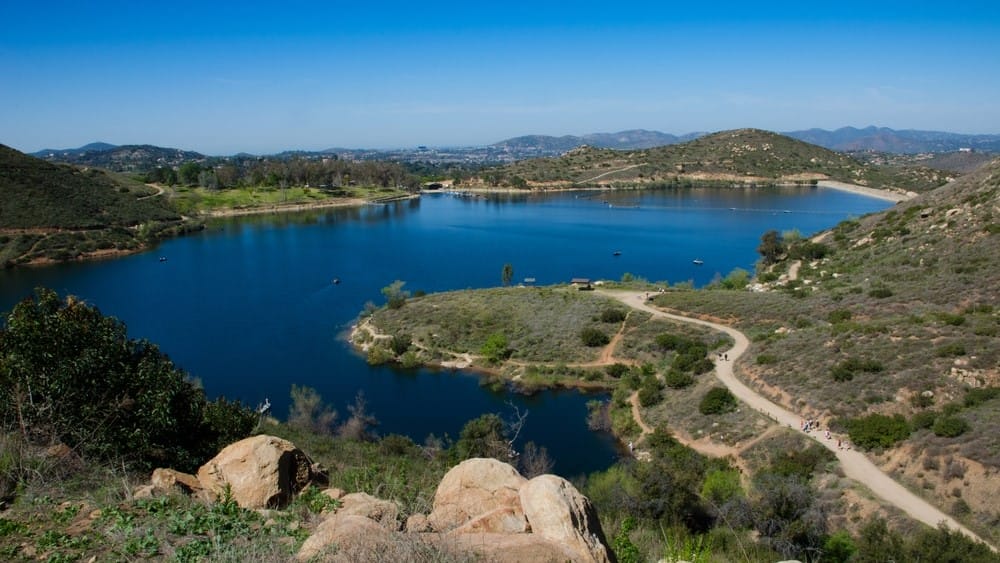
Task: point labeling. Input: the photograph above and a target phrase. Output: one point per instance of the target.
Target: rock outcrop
(482, 506)
(480, 489)
(258, 472)
(557, 511)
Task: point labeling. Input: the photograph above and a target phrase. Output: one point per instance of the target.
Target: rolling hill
(743, 156)
(124, 158)
(547, 145)
(51, 212)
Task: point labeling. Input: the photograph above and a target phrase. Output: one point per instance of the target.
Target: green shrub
(847, 369)
(838, 316)
(766, 359)
(400, 343)
(677, 379)
(593, 337)
(950, 350)
(880, 292)
(495, 349)
(716, 401)
(70, 374)
(877, 430)
(379, 355)
(949, 426)
(651, 392)
(923, 420)
(978, 396)
(616, 370)
(612, 315)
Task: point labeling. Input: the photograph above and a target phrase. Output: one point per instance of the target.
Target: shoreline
(885, 195)
(294, 207)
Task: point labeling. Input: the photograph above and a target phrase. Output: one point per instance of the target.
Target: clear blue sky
(224, 77)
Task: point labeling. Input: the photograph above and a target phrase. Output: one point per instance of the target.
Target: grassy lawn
(190, 200)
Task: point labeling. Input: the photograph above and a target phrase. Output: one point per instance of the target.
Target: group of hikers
(808, 425)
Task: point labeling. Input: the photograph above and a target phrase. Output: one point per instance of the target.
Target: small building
(581, 283)
(529, 281)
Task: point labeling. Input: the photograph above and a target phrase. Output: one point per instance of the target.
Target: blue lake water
(248, 306)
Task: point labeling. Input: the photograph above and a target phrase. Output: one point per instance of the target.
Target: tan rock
(259, 472)
(558, 512)
(504, 548)
(345, 537)
(503, 520)
(384, 512)
(472, 488)
(417, 523)
(168, 480)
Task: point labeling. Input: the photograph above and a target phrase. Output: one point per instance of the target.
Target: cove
(248, 307)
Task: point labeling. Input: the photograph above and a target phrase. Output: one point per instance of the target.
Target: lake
(248, 306)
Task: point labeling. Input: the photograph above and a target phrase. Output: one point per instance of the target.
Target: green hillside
(55, 212)
(743, 156)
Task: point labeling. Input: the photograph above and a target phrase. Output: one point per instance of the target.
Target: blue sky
(259, 77)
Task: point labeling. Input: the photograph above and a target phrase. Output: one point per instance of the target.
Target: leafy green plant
(877, 430)
(716, 401)
(950, 426)
(71, 374)
(593, 337)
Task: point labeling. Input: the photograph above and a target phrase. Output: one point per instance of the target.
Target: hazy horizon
(228, 78)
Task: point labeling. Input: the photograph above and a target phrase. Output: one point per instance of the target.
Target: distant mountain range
(882, 139)
(903, 141)
(139, 158)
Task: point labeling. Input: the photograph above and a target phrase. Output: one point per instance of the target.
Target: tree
(188, 173)
(308, 411)
(483, 437)
(395, 295)
(507, 274)
(495, 349)
(69, 373)
(771, 247)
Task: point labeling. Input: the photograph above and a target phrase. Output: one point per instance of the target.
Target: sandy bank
(887, 195)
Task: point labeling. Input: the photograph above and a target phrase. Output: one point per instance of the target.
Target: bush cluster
(716, 401)
(877, 430)
(846, 370)
(70, 374)
(594, 337)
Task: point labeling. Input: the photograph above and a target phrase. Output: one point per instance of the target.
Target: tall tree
(507, 274)
(771, 247)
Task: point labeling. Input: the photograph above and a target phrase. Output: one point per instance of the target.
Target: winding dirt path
(855, 465)
(610, 172)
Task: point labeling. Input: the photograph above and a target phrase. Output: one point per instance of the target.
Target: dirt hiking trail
(855, 464)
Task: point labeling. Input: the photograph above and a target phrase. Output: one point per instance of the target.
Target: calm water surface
(248, 306)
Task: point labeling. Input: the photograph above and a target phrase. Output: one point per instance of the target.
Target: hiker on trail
(630, 446)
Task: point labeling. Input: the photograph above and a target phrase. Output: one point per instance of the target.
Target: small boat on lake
(616, 253)
(335, 281)
(698, 261)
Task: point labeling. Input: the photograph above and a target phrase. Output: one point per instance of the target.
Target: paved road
(856, 465)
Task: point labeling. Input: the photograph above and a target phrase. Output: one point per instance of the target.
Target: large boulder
(258, 472)
(478, 487)
(346, 537)
(558, 512)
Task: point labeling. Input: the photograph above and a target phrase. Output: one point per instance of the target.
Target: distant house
(581, 283)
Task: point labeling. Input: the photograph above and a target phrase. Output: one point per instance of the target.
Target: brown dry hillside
(900, 317)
